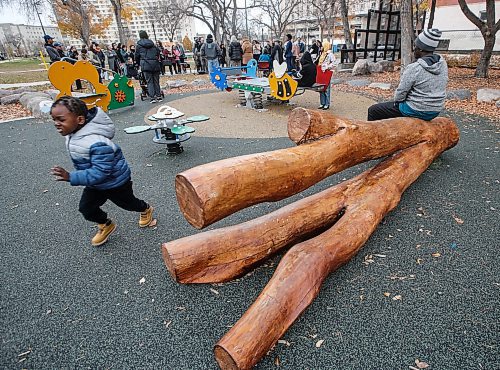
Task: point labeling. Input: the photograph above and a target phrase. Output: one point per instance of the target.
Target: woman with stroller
(148, 57)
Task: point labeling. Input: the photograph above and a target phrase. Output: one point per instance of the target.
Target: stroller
(144, 86)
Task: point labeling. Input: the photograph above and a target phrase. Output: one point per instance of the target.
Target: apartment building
(137, 23)
(23, 39)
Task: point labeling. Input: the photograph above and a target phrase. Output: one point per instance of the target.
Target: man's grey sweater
(423, 84)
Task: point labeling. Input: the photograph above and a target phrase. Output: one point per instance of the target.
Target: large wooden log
(299, 275)
(210, 192)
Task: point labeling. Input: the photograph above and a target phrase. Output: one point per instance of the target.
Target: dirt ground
(228, 119)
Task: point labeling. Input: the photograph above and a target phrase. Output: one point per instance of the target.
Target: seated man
(306, 76)
(422, 89)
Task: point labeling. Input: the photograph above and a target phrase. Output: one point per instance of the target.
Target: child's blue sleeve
(102, 157)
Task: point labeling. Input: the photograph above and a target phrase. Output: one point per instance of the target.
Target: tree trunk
(407, 34)
(431, 15)
(484, 60)
(117, 11)
(212, 191)
(345, 22)
(299, 275)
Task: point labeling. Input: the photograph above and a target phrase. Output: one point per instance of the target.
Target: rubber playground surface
(424, 287)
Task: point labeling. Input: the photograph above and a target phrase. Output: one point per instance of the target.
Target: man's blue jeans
(212, 64)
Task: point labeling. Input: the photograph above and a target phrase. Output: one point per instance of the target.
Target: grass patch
(12, 78)
(21, 65)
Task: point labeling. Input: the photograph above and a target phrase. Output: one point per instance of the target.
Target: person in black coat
(307, 75)
(147, 56)
(235, 52)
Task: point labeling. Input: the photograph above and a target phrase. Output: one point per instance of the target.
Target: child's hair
(74, 105)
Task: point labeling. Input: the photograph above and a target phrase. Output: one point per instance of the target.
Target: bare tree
(344, 13)
(279, 15)
(325, 11)
(407, 34)
(167, 14)
(117, 11)
(488, 29)
(431, 14)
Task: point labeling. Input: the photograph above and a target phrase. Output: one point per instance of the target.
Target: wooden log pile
(342, 217)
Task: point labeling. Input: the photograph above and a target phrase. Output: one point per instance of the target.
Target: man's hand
(60, 173)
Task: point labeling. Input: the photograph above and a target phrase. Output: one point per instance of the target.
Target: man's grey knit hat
(428, 40)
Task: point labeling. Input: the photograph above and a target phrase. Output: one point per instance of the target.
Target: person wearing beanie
(422, 89)
(147, 56)
(211, 52)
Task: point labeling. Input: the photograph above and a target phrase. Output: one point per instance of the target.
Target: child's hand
(60, 173)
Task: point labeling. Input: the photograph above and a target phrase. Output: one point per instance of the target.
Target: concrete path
(24, 84)
(65, 304)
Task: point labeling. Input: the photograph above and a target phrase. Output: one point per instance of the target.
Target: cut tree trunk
(210, 192)
(302, 270)
(223, 254)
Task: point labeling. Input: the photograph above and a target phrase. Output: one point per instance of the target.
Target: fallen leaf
(387, 294)
(180, 308)
(380, 255)
(44, 191)
(149, 165)
(277, 361)
(319, 343)
(419, 261)
(167, 323)
(458, 220)
(214, 291)
(285, 342)
(397, 298)
(49, 311)
(412, 367)
(142, 281)
(24, 353)
(153, 223)
(421, 364)
(313, 335)
(436, 254)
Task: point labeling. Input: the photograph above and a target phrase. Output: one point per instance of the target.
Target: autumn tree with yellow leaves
(80, 20)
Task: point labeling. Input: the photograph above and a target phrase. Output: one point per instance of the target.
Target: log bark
(223, 254)
(302, 270)
(210, 192)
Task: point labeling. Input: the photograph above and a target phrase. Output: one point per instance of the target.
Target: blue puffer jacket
(99, 162)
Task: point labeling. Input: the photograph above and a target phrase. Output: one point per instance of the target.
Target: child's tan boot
(103, 233)
(146, 217)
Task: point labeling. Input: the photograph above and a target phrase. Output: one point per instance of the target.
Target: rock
(10, 99)
(488, 95)
(27, 96)
(374, 67)
(387, 65)
(360, 68)
(336, 81)
(21, 90)
(176, 83)
(52, 93)
(37, 105)
(380, 85)
(358, 83)
(199, 82)
(458, 94)
(5, 93)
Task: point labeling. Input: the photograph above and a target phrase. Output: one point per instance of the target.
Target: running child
(99, 165)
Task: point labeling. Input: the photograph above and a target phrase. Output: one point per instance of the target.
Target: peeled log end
(189, 202)
(168, 262)
(306, 125)
(224, 359)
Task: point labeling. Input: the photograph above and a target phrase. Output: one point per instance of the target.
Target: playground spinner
(335, 222)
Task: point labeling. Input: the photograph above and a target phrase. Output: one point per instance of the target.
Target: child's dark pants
(123, 196)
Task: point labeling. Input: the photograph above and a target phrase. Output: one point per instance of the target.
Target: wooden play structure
(169, 127)
(119, 93)
(278, 85)
(324, 230)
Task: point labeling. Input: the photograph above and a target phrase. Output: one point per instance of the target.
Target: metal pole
(246, 18)
(154, 32)
(40, 19)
